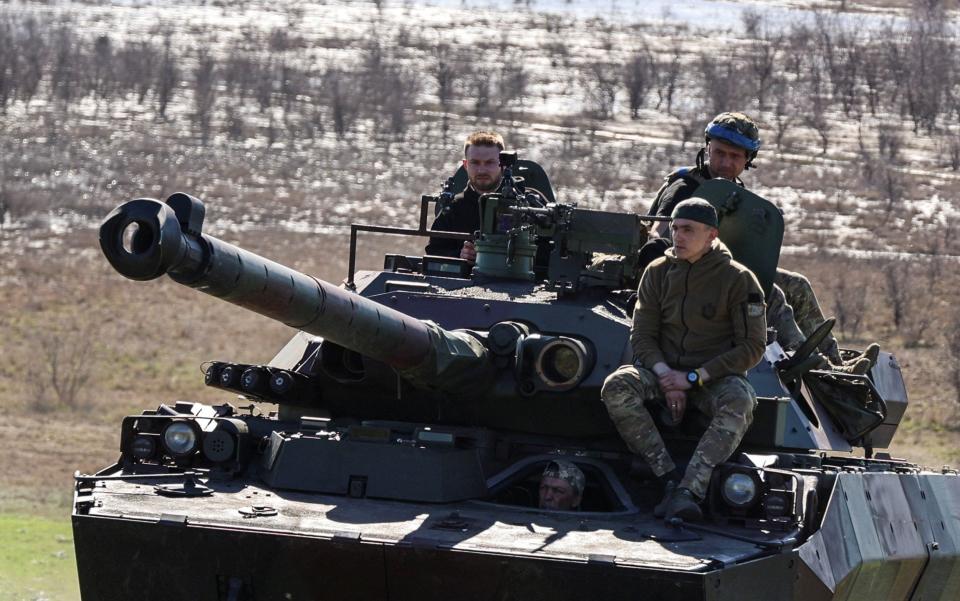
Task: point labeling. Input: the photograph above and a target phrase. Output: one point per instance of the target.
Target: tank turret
(496, 345)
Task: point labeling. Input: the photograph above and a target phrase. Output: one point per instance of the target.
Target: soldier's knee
(739, 411)
(627, 376)
(623, 387)
(615, 387)
(791, 280)
(738, 399)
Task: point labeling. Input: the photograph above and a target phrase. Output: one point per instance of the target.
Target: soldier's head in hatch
(561, 486)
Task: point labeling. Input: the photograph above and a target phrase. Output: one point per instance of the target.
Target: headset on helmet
(736, 129)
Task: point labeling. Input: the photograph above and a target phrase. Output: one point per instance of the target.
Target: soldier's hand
(677, 404)
(468, 252)
(674, 380)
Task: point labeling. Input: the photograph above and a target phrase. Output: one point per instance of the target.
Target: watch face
(692, 376)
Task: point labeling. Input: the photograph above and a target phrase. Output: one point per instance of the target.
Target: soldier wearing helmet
(732, 141)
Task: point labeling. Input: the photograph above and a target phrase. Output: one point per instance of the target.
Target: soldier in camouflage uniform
(732, 142)
(561, 486)
(806, 309)
(697, 328)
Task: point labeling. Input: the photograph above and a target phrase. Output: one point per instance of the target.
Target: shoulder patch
(756, 309)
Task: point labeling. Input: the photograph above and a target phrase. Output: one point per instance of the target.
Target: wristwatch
(694, 378)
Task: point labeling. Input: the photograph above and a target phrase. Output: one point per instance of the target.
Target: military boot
(684, 504)
(862, 363)
(668, 490)
(872, 352)
(857, 367)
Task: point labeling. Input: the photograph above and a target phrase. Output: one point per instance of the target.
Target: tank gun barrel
(144, 239)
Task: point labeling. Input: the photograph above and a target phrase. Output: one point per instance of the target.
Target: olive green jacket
(707, 314)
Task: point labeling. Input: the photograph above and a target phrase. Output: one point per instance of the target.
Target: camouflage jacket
(707, 314)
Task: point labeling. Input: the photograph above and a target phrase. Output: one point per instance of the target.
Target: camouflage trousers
(729, 401)
(780, 317)
(806, 309)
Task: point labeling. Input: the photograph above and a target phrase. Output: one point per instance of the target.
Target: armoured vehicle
(419, 404)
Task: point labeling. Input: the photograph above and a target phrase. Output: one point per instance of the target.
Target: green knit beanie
(696, 209)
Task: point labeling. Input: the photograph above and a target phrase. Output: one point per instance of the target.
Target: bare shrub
(849, 304)
(762, 54)
(558, 52)
(204, 92)
(953, 151)
(839, 57)
(294, 83)
(798, 49)
(895, 277)
(387, 88)
(668, 78)
(889, 144)
(8, 66)
(815, 113)
(263, 80)
(236, 128)
(892, 187)
(873, 73)
(66, 360)
(639, 76)
(138, 60)
(313, 122)
(33, 52)
(752, 22)
(952, 348)
(445, 68)
(691, 116)
(237, 73)
(403, 85)
(868, 161)
(912, 298)
(600, 82)
(513, 80)
(278, 40)
(930, 59)
(102, 77)
(65, 66)
(784, 111)
(343, 100)
(168, 76)
(479, 88)
(721, 82)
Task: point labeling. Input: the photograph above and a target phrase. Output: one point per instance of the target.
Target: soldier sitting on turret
(561, 486)
(481, 160)
(697, 328)
(732, 141)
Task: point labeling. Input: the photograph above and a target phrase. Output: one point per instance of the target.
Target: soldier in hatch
(697, 328)
(481, 160)
(732, 143)
(561, 486)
